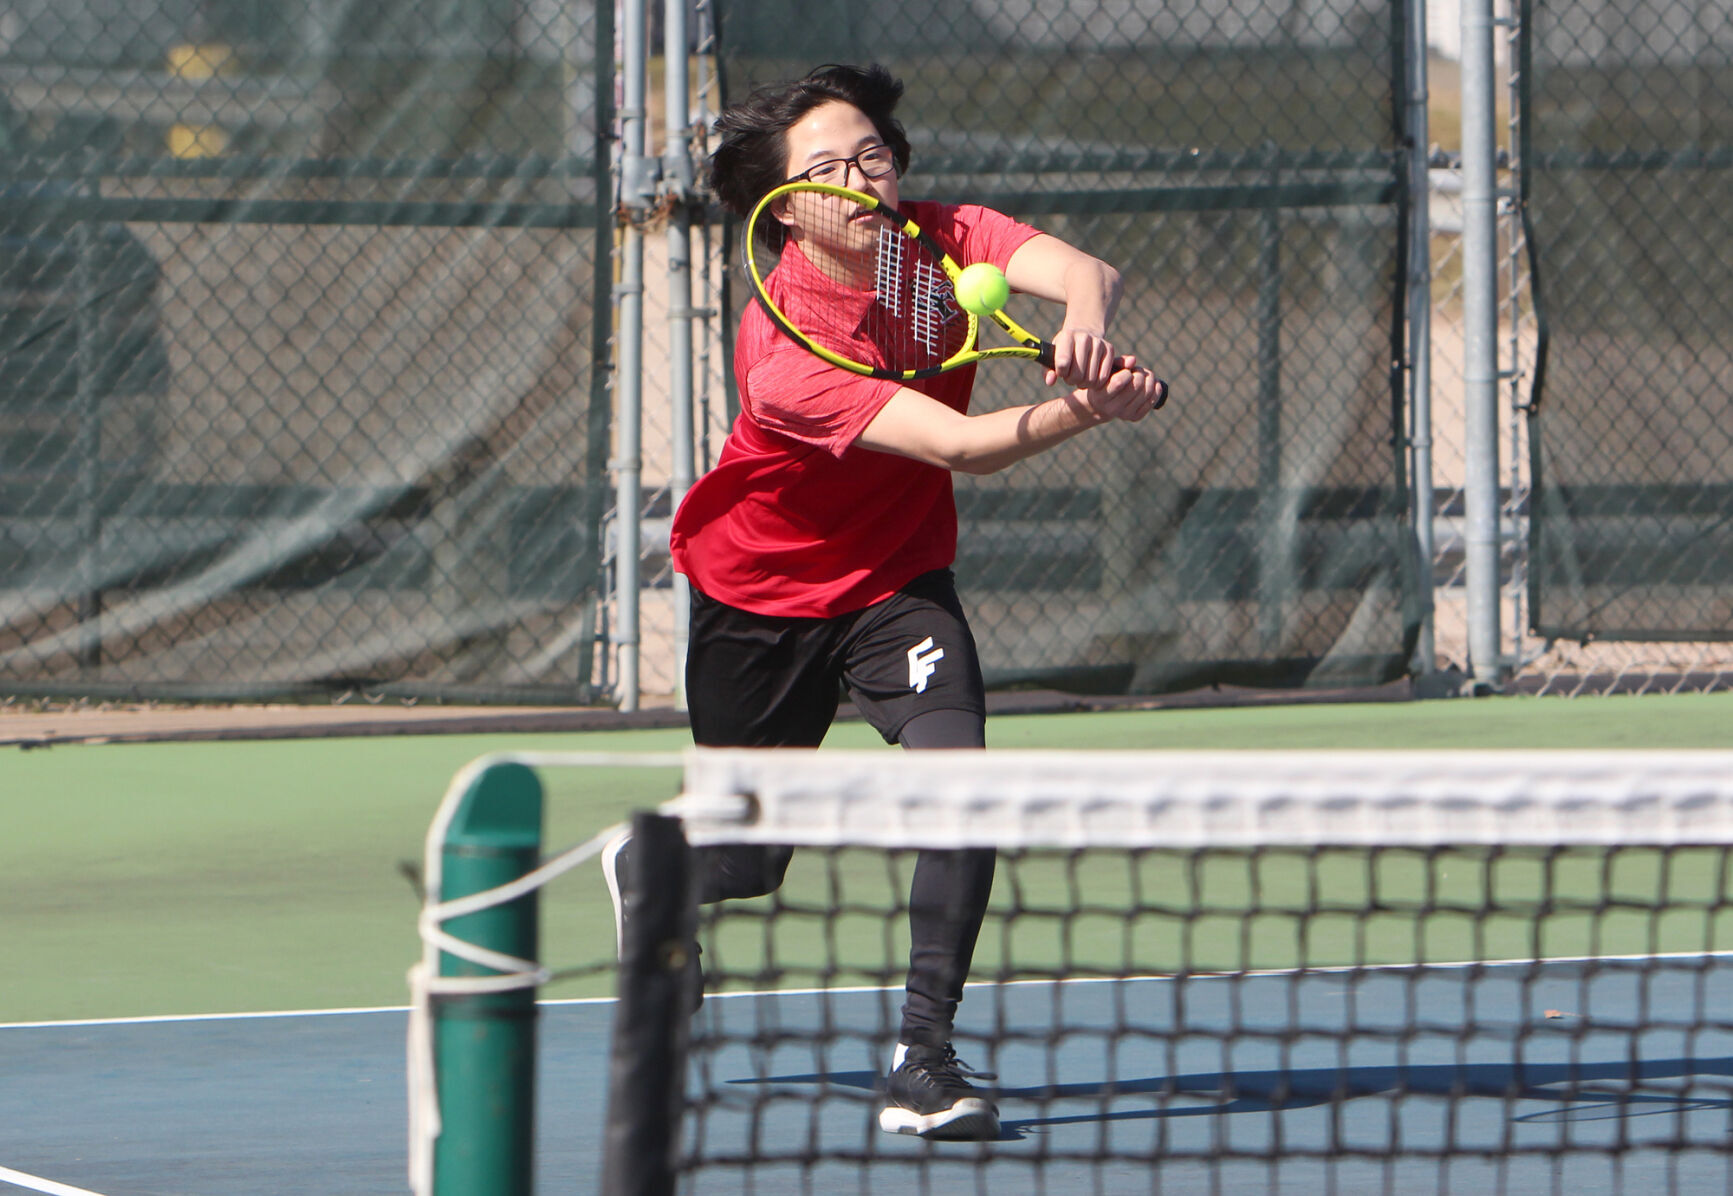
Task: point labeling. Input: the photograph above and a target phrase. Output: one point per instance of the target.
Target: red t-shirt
(795, 519)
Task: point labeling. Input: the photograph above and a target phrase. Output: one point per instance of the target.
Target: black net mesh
(1224, 972)
(1190, 1021)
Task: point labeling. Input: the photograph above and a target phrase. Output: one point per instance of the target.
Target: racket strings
(934, 308)
(887, 277)
(915, 323)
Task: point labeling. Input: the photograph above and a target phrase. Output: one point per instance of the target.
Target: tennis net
(1210, 972)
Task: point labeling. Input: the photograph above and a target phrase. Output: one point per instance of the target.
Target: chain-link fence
(302, 324)
(1613, 449)
(1628, 109)
(305, 320)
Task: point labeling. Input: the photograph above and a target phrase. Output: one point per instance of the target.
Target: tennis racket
(879, 297)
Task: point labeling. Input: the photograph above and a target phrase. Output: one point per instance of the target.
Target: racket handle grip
(1118, 363)
(1045, 356)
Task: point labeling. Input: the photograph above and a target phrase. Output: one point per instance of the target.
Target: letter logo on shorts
(923, 659)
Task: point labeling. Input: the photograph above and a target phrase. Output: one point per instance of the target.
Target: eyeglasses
(874, 162)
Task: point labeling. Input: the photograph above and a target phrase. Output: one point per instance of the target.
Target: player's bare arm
(915, 425)
(1048, 268)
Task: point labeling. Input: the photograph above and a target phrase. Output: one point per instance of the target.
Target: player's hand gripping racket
(885, 302)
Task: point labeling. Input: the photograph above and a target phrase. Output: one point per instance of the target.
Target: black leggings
(947, 897)
(947, 900)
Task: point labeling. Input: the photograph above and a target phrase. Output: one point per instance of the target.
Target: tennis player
(819, 547)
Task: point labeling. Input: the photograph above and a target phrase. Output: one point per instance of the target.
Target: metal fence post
(678, 176)
(1275, 536)
(88, 438)
(1425, 659)
(1480, 355)
(637, 188)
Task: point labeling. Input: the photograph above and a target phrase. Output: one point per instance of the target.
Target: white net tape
(1208, 799)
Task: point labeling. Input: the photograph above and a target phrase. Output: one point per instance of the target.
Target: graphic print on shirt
(914, 289)
(923, 661)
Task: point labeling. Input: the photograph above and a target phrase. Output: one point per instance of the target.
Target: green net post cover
(485, 1044)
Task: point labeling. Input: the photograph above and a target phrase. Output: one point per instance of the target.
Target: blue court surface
(1577, 1078)
(309, 1104)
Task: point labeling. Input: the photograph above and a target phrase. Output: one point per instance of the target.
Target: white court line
(166, 1018)
(155, 1019)
(37, 1184)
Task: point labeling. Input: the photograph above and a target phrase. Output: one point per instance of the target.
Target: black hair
(752, 159)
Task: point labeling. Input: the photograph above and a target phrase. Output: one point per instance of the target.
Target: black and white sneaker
(929, 1094)
(616, 858)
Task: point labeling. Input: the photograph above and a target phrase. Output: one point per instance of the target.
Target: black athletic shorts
(776, 681)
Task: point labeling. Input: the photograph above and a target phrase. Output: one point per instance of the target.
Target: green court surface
(237, 876)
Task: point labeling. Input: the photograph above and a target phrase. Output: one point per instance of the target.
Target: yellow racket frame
(1028, 347)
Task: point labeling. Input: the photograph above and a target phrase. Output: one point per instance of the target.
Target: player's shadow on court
(1576, 1091)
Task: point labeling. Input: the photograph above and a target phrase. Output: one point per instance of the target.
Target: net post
(485, 1043)
(647, 1067)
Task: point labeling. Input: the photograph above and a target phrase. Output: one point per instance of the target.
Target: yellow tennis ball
(982, 289)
